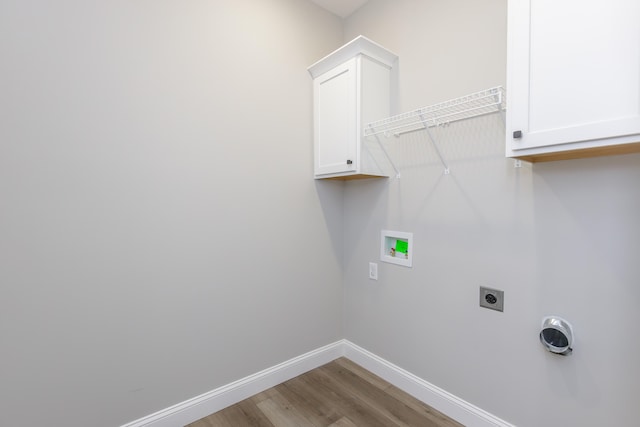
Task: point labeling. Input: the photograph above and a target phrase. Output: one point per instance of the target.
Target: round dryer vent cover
(556, 335)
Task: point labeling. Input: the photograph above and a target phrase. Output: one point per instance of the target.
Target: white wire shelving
(477, 104)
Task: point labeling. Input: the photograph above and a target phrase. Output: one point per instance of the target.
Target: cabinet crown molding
(358, 46)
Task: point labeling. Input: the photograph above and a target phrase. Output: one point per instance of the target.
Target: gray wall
(160, 233)
(559, 238)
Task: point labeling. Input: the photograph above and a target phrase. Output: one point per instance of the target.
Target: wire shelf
(476, 104)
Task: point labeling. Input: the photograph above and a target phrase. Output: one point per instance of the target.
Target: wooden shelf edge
(350, 177)
(584, 153)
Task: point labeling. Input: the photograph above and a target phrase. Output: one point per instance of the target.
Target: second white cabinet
(573, 78)
(351, 87)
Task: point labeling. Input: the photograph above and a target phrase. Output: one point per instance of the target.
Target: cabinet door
(335, 121)
(573, 72)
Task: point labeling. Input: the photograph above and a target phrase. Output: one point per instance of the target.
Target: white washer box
(396, 247)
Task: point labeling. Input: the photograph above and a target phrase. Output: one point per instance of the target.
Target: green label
(402, 246)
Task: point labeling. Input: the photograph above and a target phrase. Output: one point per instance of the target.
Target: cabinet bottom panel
(581, 153)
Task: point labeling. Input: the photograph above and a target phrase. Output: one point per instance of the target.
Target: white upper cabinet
(351, 87)
(573, 78)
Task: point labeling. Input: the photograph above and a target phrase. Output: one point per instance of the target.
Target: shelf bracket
(447, 171)
(384, 150)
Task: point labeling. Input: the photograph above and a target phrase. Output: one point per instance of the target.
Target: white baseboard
(198, 407)
(450, 405)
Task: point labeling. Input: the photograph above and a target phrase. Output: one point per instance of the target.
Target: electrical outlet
(491, 298)
(373, 271)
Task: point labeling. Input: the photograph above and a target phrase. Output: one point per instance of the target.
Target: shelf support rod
(384, 150)
(435, 145)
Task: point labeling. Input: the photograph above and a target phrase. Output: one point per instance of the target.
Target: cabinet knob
(517, 134)
(349, 162)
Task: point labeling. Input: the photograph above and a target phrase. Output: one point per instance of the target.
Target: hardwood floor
(338, 394)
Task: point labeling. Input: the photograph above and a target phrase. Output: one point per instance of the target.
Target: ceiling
(342, 8)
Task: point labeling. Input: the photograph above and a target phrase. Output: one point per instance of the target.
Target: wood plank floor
(338, 394)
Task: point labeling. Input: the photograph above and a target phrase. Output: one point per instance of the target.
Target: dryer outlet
(491, 298)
